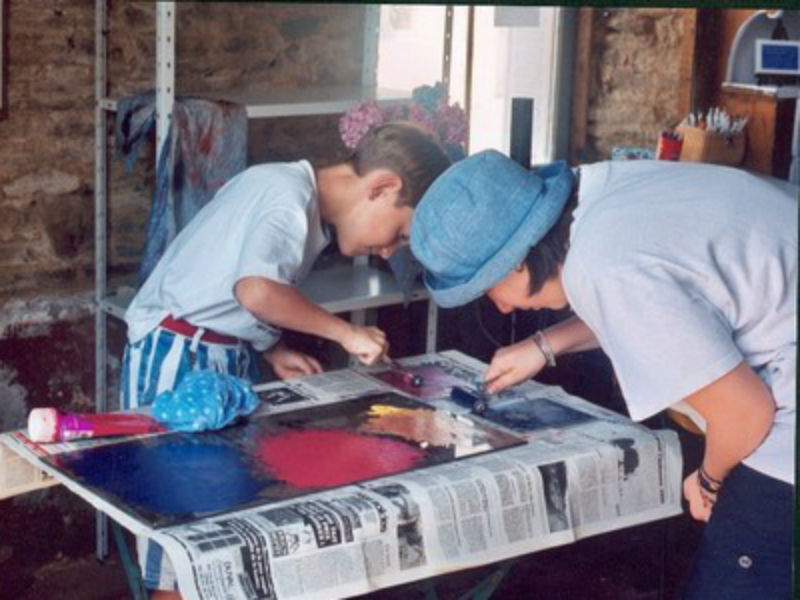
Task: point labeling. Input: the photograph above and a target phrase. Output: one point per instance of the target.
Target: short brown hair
(407, 150)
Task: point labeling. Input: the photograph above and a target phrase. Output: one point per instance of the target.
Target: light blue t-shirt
(682, 271)
(264, 222)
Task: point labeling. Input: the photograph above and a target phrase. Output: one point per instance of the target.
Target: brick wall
(634, 87)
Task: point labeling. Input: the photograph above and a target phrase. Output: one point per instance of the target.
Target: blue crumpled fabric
(204, 401)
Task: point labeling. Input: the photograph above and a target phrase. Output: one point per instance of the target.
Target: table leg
(135, 582)
(487, 587)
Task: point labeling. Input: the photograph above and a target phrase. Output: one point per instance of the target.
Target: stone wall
(46, 175)
(47, 181)
(634, 87)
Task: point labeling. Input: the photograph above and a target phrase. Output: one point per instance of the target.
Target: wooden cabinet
(771, 111)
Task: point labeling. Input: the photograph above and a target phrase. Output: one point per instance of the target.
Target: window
(514, 53)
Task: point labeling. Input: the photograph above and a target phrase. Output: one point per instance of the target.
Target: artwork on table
(178, 477)
(438, 378)
(531, 414)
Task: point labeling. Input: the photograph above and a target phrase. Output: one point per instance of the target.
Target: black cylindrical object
(521, 130)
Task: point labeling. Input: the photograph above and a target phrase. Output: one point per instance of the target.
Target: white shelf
(337, 289)
(356, 287)
(299, 102)
(310, 101)
(773, 91)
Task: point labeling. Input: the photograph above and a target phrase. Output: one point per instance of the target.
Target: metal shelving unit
(354, 289)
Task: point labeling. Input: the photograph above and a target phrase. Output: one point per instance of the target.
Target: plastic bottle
(53, 425)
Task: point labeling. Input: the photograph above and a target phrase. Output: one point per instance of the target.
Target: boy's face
(513, 292)
(379, 226)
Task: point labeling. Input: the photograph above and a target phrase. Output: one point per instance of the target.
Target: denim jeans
(746, 549)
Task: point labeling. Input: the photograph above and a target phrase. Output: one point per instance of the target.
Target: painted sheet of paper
(177, 477)
(439, 376)
(532, 414)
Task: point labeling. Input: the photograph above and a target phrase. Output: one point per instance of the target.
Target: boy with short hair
(226, 285)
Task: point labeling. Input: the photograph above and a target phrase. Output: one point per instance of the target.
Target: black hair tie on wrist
(706, 482)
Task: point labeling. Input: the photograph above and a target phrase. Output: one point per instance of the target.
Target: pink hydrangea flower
(418, 115)
(452, 123)
(358, 120)
(429, 109)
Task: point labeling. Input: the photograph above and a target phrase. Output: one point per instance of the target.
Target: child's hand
(368, 344)
(700, 503)
(289, 363)
(513, 364)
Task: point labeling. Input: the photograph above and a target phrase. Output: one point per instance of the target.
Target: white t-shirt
(264, 222)
(682, 271)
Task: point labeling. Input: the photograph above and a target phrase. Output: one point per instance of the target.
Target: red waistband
(185, 328)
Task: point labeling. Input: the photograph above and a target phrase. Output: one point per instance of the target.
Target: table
(584, 471)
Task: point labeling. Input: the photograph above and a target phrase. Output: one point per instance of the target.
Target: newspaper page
(323, 388)
(599, 474)
(584, 471)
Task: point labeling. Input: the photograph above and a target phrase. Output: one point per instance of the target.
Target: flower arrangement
(429, 109)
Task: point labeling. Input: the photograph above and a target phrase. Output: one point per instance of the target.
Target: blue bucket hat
(480, 218)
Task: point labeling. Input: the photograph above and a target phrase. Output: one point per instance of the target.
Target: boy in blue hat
(685, 275)
(227, 284)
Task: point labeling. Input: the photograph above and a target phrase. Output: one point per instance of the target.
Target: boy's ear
(382, 181)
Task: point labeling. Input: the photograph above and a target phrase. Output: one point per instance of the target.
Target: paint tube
(53, 425)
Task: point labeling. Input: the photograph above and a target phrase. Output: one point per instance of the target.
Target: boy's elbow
(766, 416)
(251, 293)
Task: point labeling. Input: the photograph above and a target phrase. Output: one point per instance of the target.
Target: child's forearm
(285, 307)
(570, 335)
(739, 411)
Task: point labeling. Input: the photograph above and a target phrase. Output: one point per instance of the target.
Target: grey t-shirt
(682, 271)
(264, 222)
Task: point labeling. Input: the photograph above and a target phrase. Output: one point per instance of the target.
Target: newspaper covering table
(595, 474)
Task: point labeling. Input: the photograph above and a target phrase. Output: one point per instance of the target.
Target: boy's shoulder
(275, 179)
(297, 171)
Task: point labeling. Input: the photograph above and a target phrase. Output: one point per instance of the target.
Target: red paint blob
(326, 458)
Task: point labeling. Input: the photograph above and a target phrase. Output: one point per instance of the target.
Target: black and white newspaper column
(601, 474)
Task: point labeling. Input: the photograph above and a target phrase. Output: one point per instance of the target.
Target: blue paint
(532, 414)
(170, 478)
(475, 400)
(178, 477)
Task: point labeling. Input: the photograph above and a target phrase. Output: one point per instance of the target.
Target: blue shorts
(746, 549)
(157, 363)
